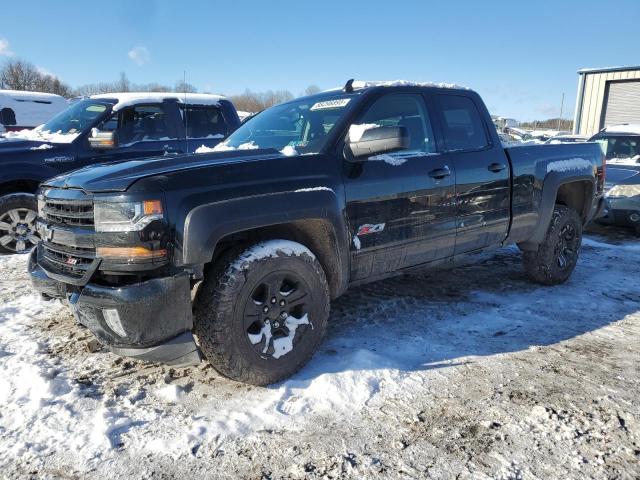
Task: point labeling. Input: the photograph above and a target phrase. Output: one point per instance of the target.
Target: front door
(400, 205)
(482, 175)
(142, 131)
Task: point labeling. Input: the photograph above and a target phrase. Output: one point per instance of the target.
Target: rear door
(482, 174)
(399, 205)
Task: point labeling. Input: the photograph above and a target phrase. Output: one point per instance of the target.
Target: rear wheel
(557, 255)
(18, 213)
(263, 313)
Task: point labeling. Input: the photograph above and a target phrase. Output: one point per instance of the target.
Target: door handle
(496, 167)
(440, 173)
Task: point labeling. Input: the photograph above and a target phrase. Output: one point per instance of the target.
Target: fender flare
(552, 183)
(205, 225)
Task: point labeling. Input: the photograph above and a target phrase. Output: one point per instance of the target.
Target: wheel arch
(19, 186)
(313, 219)
(575, 192)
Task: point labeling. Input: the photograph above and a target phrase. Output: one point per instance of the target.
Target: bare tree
(21, 75)
(182, 86)
(312, 90)
(256, 101)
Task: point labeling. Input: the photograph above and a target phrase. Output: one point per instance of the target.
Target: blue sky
(520, 56)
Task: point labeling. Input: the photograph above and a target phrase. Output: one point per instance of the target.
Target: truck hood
(118, 177)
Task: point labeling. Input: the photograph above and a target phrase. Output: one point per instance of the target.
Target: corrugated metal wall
(594, 97)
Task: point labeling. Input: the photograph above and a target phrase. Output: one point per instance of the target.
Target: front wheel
(18, 213)
(261, 315)
(557, 255)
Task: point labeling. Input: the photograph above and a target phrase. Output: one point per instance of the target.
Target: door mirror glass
(368, 140)
(101, 140)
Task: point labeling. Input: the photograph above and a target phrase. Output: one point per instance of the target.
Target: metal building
(606, 96)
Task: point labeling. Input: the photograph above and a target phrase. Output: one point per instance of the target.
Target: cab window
(204, 121)
(403, 110)
(462, 122)
(139, 123)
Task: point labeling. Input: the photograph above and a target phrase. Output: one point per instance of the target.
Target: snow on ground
(474, 373)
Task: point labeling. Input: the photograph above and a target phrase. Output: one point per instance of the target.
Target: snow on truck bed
(474, 372)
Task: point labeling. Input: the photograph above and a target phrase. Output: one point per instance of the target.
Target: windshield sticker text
(329, 104)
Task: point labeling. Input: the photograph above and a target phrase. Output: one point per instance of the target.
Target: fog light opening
(112, 318)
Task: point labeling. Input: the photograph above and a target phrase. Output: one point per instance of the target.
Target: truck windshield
(297, 127)
(75, 119)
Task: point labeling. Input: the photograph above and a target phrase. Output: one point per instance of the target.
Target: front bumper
(622, 211)
(149, 320)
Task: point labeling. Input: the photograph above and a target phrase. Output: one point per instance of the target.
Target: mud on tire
(557, 255)
(262, 312)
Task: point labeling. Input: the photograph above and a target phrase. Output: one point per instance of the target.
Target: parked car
(621, 146)
(567, 139)
(101, 129)
(302, 201)
(21, 110)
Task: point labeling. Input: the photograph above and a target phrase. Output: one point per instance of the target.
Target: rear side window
(204, 121)
(463, 126)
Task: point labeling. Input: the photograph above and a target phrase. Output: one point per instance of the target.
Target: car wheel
(557, 255)
(18, 213)
(260, 316)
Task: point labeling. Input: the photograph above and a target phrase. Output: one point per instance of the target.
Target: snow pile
(394, 160)
(569, 165)
(39, 135)
(289, 151)
(358, 84)
(410, 361)
(271, 248)
(223, 147)
(128, 99)
(44, 146)
(625, 128)
(314, 189)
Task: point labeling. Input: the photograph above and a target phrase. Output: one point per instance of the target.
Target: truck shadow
(437, 319)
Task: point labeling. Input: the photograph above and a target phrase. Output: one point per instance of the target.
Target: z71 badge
(370, 228)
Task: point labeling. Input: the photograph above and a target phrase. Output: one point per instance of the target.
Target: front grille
(72, 213)
(71, 261)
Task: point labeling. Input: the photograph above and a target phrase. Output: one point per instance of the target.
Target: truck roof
(364, 84)
(624, 129)
(21, 95)
(126, 99)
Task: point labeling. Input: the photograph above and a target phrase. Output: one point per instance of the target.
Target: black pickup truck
(245, 247)
(103, 128)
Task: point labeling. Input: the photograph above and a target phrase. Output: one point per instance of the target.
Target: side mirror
(100, 140)
(377, 140)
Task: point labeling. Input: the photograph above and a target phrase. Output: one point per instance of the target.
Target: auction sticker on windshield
(329, 104)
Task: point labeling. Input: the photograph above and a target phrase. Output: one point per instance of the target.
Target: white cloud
(4, 48)
(139, 55)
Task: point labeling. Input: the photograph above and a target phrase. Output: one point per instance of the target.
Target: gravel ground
(471, 373)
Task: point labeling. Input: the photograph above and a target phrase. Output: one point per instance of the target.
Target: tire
(557, 255)
(18, 212)
(237, 298)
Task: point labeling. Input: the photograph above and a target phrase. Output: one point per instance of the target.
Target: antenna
(348, 87)
(186, 109)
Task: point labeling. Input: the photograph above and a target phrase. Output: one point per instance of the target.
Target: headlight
(125, 217)
(624, 191)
